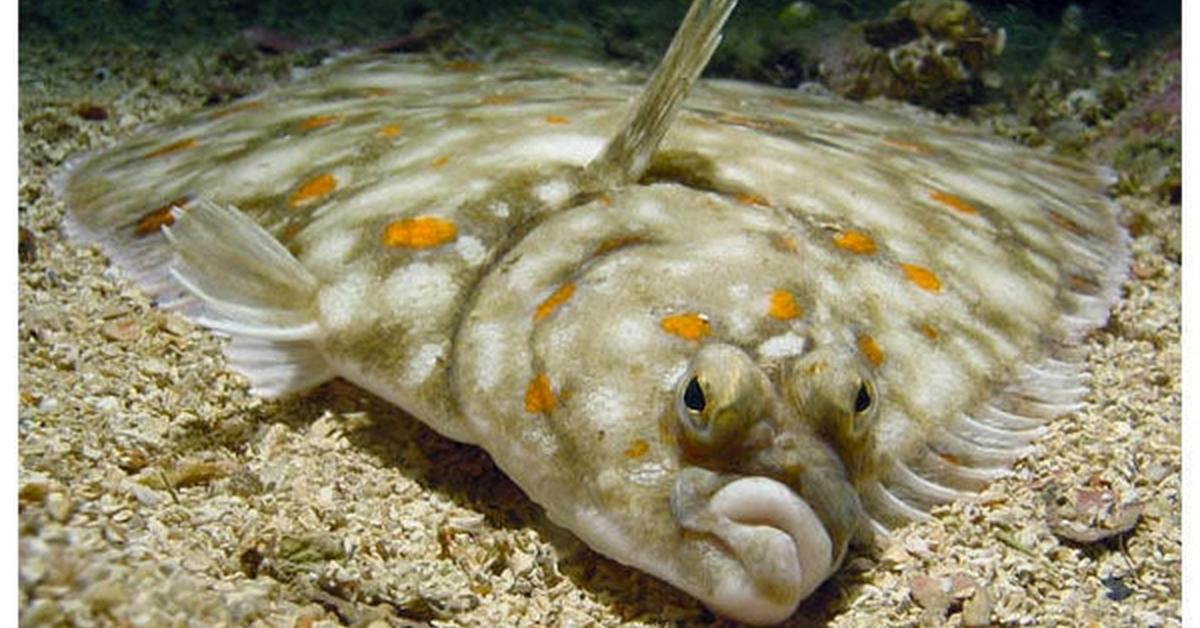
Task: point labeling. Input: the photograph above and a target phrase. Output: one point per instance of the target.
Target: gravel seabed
(155, 491)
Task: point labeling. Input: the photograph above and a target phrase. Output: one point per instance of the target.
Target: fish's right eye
(693, 396)
(863, 399)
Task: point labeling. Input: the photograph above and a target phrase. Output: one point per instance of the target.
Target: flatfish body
(802, 322)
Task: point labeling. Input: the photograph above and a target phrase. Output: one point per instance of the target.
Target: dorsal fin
(626, 156)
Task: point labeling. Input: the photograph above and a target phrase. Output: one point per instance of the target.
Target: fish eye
(693, 396)
(863, 399)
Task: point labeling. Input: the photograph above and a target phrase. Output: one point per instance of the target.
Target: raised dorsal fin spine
(626, 156)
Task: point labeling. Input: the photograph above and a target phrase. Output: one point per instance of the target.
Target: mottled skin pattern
(807, 322)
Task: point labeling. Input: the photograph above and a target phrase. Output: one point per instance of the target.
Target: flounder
(718, 340)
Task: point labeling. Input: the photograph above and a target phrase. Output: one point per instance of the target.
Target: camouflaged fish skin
(809, 321)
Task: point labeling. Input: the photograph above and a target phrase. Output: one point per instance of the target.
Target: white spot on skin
(574, 149)
(782, 346)
(499, 209)
(493, 351)
(330, 251)
(671, 380)
(606, 408)
(740, 322)
(423, 362)
(650, 212)
(553, 192)
(471, 250)
(421, 293)
(562, 337)
(733, 173)
(380, 200)
(342, 303)
(648, 474)
(630, 336)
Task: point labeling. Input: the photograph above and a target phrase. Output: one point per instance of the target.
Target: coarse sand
(155, 491)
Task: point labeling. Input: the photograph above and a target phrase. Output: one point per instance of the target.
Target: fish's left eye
(693, 396)
(863, 399)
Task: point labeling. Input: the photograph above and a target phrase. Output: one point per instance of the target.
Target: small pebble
(931, 593)
(175, 325)
(26, 246)
(91, 111)
(1117, 589)
(59, 507)
(977, 610)
(33, 492)
(122, 329)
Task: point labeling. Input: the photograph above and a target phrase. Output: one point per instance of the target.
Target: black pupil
(862, 402)
(693, 396)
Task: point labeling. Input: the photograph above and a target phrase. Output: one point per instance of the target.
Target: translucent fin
(887, 509)
(627, 154)
(244, 283)
(973, 449)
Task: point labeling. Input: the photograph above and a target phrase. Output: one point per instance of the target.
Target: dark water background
(1126, 28)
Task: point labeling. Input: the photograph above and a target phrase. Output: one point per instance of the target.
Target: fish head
(629, 366)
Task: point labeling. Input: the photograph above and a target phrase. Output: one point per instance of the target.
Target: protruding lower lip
(782, 546)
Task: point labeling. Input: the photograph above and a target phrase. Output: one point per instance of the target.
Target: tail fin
(628, 153)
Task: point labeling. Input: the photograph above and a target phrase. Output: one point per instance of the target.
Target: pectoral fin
(239, 280)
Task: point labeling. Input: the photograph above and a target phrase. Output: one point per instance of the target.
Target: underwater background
(337, 509)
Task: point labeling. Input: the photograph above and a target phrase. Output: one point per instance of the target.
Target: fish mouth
(777, 549)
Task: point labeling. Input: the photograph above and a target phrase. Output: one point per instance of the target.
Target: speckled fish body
(806, 322)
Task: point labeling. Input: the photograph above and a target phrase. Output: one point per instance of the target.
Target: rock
(977, 610)
(1093, 513)
(123, 329)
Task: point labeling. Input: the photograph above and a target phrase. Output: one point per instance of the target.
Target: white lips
(780, 542)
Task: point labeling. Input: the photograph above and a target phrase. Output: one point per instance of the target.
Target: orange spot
(617, 242)
(949, 457)
(317, 122)
(173, 147)
(552, 119)
(783, 306)
(539, 398)
(421, 232)
(637, 449)
(499, 99)
(870, 350)
(687, 326)
(784, 242)
(604, 200)
(746, 198)
(552, 302)
(953, 202)
(911, 147)
(237, 107)
(922, 277)
(441, 161)
(855, 242)
(390, 130)
(929, 331)
(313, 189)
(461, 65)
(158, 218)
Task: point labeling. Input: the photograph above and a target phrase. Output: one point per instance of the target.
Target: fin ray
(627, 155)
